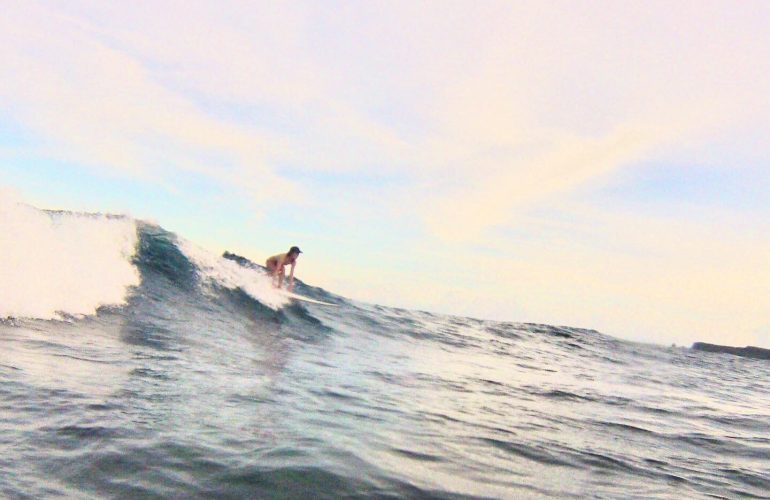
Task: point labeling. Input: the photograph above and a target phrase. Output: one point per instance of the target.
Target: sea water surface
(140, 366)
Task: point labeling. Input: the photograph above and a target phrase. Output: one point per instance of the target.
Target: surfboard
(302, 298)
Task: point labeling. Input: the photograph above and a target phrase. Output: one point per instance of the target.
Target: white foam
(62, 264)
(225, 272)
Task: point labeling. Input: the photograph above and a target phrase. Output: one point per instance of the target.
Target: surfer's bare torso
(276, 266)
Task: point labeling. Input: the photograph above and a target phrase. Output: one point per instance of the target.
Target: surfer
(277, 263)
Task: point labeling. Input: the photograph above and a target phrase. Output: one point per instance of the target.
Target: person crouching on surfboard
(277, 263)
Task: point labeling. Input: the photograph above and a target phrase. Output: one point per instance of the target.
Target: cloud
(569, 101)
(492, 199)
(463, 91)
(99, 106)
(230, 93)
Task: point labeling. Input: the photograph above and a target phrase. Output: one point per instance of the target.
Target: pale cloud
(227, 93)
(558, 101)
(489, 200)
(99, 106)
(454, 91)
(255, 57)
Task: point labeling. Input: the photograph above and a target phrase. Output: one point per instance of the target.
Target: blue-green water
(203, 385)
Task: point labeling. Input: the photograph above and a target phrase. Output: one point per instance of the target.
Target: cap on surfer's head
(295, 250)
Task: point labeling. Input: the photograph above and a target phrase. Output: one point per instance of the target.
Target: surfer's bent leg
(271, 266)
(273, 271)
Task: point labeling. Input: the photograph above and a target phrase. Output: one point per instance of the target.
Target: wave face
(150, 368)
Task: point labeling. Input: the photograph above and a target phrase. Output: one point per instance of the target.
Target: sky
(595, 164)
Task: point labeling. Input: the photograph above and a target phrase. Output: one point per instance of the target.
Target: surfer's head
(294, 252)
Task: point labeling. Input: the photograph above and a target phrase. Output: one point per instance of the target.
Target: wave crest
(59, 264)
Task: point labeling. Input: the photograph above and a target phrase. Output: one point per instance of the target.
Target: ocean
(134, 364)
